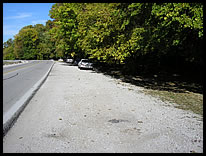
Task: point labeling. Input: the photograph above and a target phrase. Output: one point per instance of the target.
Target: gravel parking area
(83, 111)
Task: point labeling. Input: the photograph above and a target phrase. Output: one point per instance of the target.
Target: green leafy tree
(65, 29)
(135, 35)
(8, 50)
(99, 30)
(25, 43)
(178, 31)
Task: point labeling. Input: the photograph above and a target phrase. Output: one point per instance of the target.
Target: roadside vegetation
(9, 63)
(186, 100)
(158, 42)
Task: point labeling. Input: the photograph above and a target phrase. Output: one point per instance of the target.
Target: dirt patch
(117, 121)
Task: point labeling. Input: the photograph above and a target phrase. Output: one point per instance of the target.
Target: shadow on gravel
(160, 81)
(67, 64)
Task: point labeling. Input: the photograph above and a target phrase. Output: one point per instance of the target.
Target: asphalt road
(83, 111)
(18, 79)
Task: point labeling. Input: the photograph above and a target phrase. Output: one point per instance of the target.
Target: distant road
(18, 79)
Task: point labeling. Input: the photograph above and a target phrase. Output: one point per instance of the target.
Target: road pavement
(19, 84)
(82, 111)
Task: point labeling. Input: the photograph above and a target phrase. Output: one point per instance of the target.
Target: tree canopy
(129, 34)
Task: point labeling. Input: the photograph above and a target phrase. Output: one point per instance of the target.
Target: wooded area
(138, 37)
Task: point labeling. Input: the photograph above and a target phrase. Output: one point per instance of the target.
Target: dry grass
(187, 100)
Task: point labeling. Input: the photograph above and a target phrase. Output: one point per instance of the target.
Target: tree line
(138, 36)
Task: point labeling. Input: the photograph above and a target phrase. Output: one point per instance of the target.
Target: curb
(11, 116)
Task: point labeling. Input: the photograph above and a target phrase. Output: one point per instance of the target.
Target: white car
(69, 60)
(85, 64)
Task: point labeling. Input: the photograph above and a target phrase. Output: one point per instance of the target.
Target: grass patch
(187, 100)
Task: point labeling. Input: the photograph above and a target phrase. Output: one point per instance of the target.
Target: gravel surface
(83, 111)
